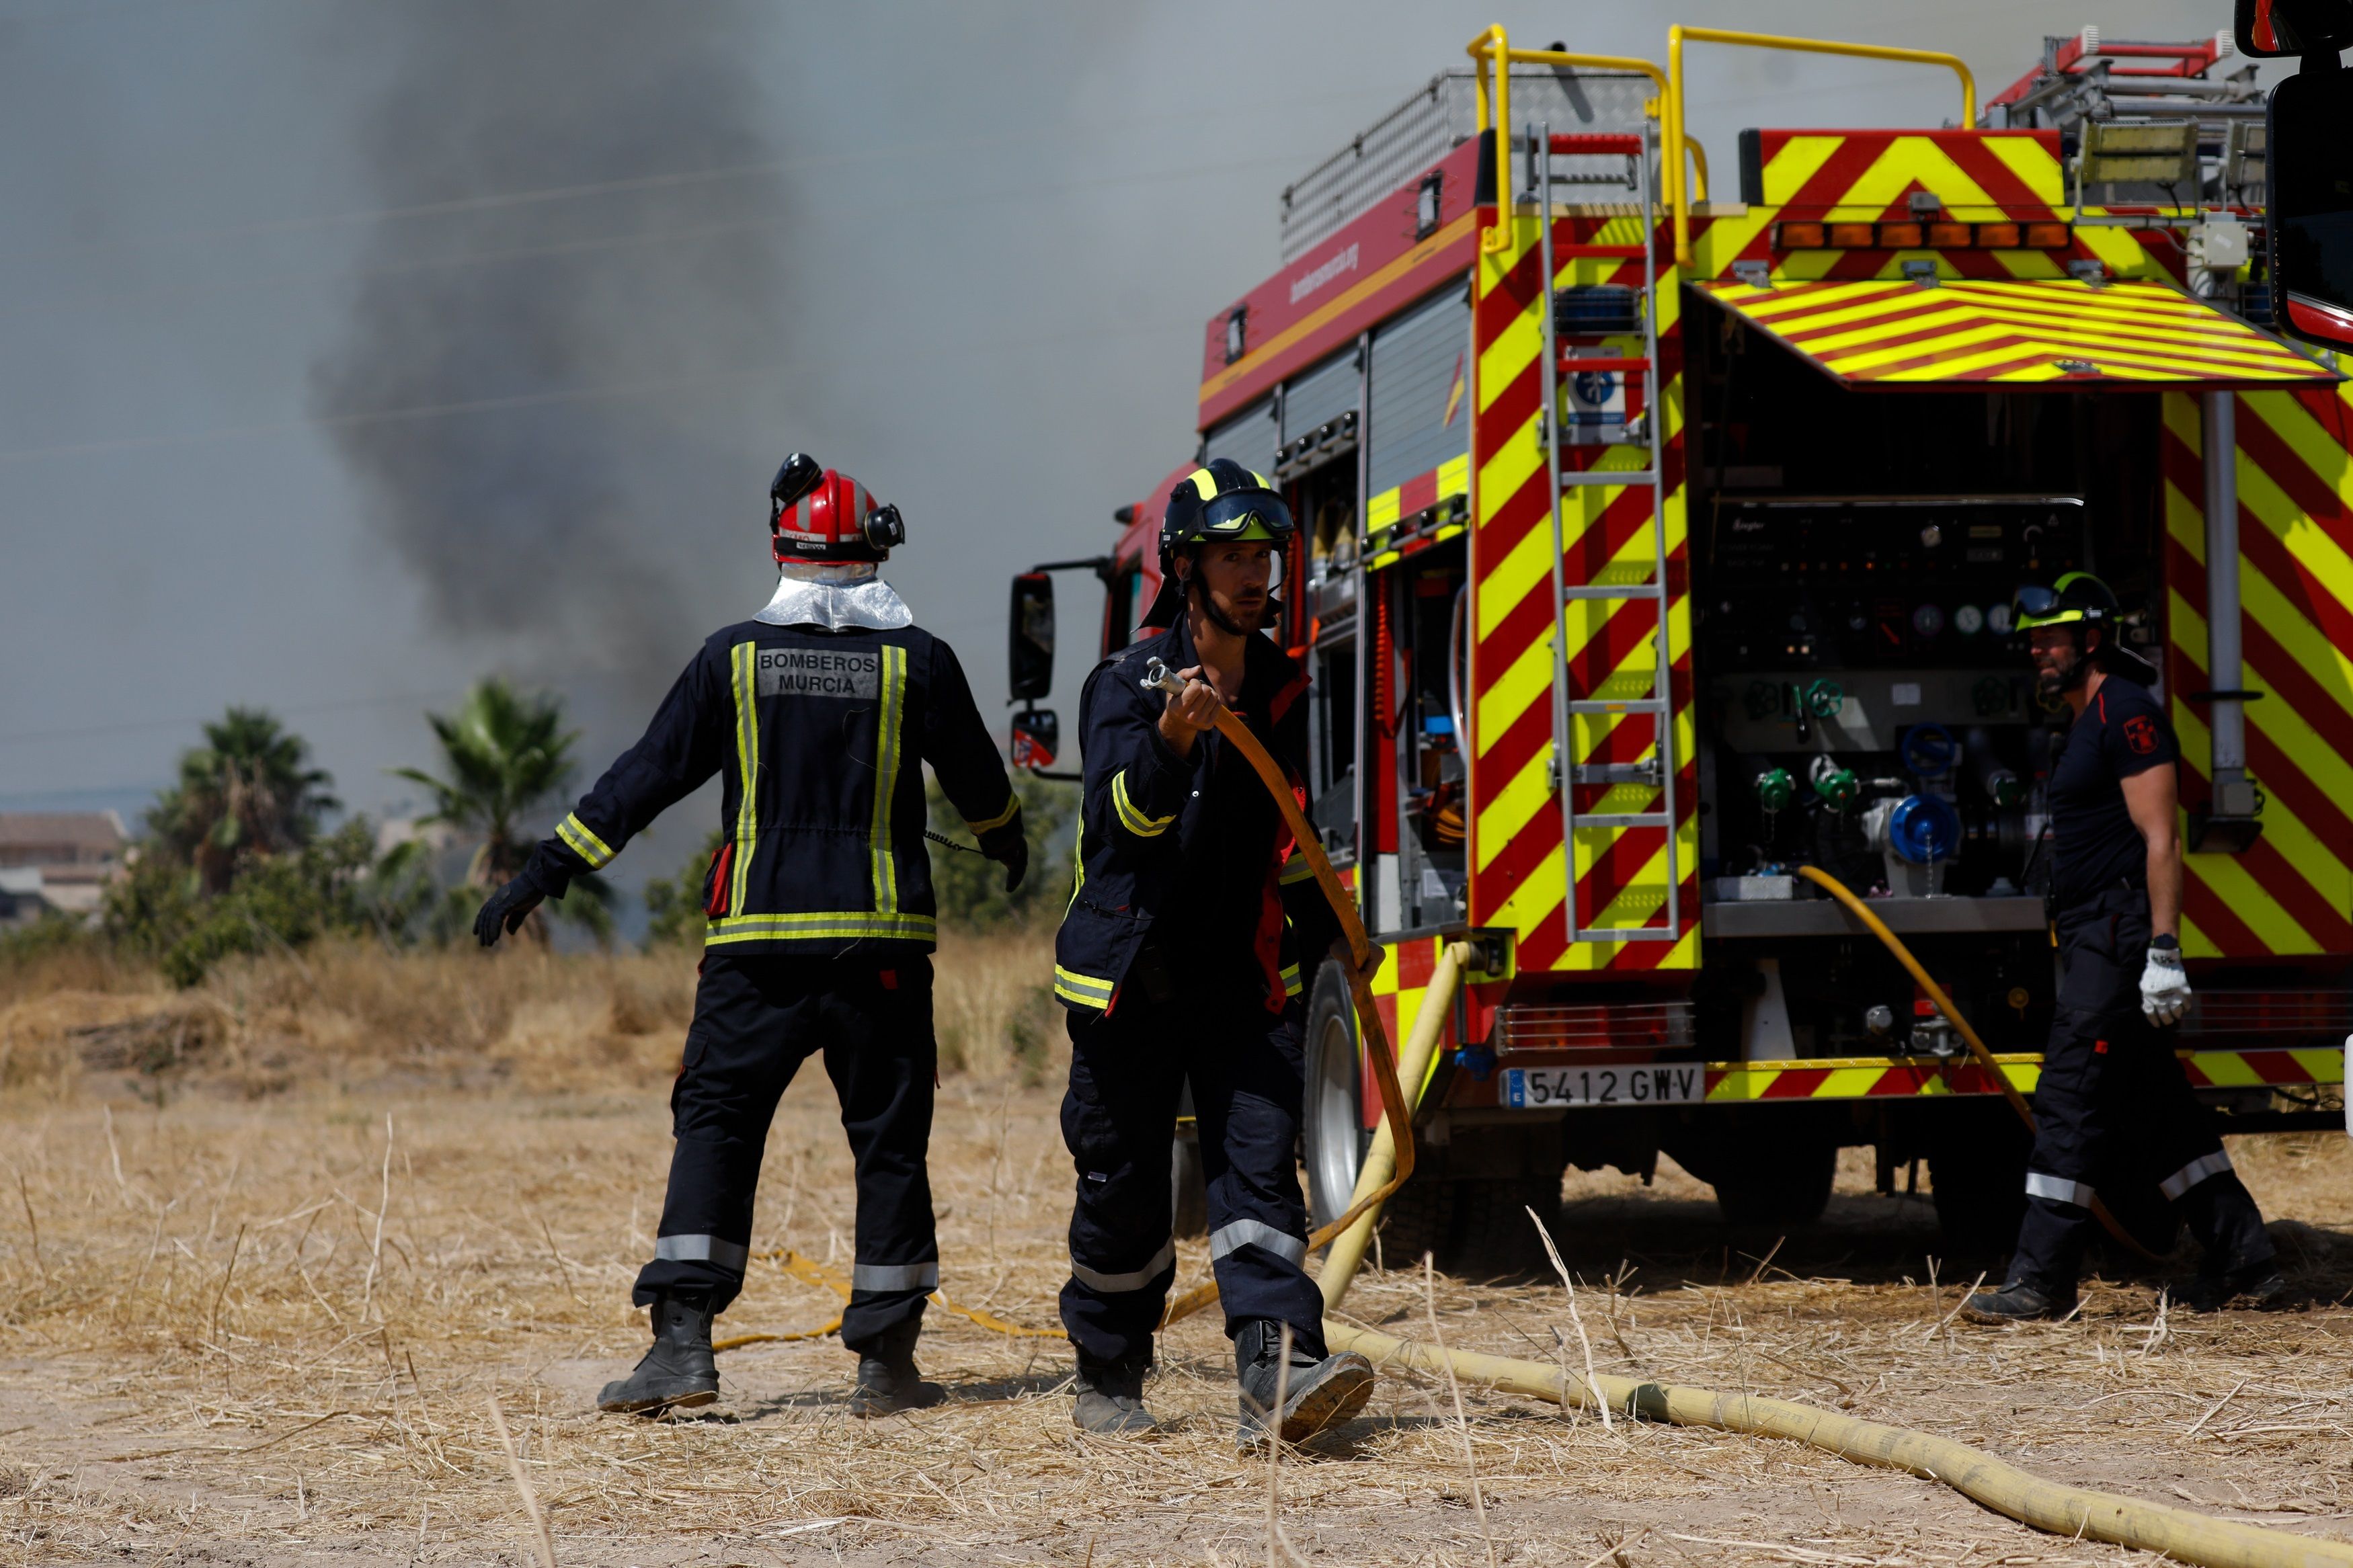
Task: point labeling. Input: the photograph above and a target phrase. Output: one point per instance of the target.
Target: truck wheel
(1331, 1119)
(1468, 1223)
(1188, 1193)
(1977, 1177)
(1790, 1188)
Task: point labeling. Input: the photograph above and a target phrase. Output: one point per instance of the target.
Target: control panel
(1870, 708)
(1878, 581)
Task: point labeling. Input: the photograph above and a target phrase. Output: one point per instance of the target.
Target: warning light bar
(1916, 235)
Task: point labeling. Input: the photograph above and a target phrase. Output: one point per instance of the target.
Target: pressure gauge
(1928, 620)
(1998, 619)
(1968, 619)
(1931, 536)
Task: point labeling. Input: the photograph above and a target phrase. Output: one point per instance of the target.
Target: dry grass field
(269, 1248)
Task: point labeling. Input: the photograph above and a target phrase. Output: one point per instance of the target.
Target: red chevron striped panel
(2052, 331)
(1521, 876)
(2291, 893)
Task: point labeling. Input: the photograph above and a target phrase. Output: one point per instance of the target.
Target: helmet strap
(2081, 671)
(1197, 593)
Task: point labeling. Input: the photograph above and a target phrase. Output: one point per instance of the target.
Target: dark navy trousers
(2115, 1112)
(757, 1019)
(1128, 1069)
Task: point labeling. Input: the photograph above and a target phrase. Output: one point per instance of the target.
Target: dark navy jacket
(1146, 843)
(818, 737)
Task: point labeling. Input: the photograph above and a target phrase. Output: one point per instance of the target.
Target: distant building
(57, 860)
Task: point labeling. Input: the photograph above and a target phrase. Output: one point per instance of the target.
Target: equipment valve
(1837, 786)
(1775, 789)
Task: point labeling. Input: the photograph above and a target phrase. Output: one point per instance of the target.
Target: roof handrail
(1673, 89)
(1493, 48)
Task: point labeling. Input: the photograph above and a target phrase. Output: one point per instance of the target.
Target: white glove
(2164, 986)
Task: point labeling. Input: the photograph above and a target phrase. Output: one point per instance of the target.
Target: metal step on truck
(1659, 544)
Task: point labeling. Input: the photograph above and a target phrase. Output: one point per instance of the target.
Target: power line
(496, 200)
(618, 390)
(637, 239)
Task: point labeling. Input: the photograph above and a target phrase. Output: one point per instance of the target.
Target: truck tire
(1771, 1170)
(1789, 1189)
(1469, 1224)
(1976, 1178)
(1333, 1139)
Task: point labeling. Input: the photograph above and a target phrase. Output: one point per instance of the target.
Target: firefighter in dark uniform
(1181, 957)
(817, 714)
(2113, 1107)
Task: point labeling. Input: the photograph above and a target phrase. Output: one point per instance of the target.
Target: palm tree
(509, 760)
(247, 792)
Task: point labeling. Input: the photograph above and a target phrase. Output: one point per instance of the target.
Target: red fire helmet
(823, 517)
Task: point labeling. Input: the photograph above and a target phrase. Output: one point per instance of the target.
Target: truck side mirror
(2267, 29)
(1036, 737)
(1030, 638)
(2309, 141)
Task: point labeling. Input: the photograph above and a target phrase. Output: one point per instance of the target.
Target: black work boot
(2020, 1302)
(888, 1382)
(1110, 1397)
(679, 1372)
(2238, 1263)
(1313, 1392)
(2257, 1284)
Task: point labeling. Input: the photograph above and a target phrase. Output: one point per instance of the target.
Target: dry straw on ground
(268, 1249)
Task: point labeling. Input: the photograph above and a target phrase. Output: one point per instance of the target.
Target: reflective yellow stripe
(1083, 989)
(1078, 857)
(1205, 484)
(583, 842)
(1012, 809)
(1135, 821)
(1292, 984)
(1297, 868)
(820, 925)
(745, 657)
(886, 776)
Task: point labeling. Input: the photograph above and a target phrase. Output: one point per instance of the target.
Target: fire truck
(1659, 541)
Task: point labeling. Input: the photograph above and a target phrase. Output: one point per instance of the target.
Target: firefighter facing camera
(2113, 1108)
(1180, 958)
(816, 713)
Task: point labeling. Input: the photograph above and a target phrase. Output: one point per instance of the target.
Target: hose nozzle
(1158, 677)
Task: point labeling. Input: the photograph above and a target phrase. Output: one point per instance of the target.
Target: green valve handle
(1775, 789)
(1760, 699)
(1837, 786)
(1824, 699)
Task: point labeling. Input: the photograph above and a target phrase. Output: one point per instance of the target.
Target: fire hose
(2074, 1511)
(1943, 1004)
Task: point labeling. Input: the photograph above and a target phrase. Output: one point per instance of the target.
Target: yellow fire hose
(1397, 1116)
(1348, 1253)
(1944, 1004)
(2072, 1511)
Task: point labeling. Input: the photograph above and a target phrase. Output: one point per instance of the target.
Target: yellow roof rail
(1679, 34)
(1493, 48)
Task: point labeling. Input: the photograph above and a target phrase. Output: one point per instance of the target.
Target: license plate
(1535, 1088)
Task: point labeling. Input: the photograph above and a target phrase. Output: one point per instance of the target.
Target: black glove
(1009, 847)
(507, 908)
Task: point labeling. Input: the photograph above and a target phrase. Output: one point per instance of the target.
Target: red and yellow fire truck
(1656, 543)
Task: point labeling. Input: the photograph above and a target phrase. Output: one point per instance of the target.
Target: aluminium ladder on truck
(1656, 773)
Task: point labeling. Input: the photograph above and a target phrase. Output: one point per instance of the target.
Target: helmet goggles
(1252, 514)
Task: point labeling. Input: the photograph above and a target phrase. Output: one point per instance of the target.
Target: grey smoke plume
(523, 386)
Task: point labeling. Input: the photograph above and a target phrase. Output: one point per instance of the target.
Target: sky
(351, 350)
